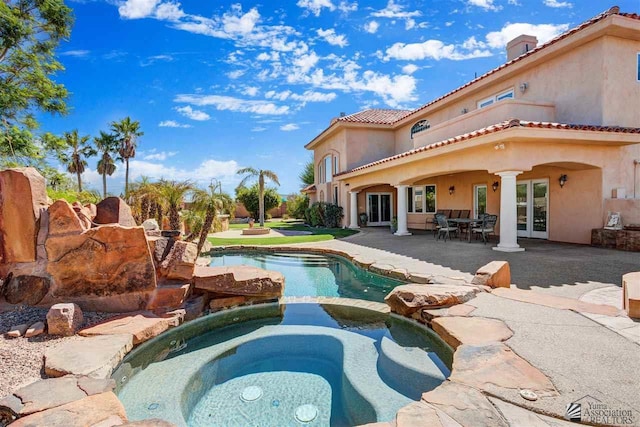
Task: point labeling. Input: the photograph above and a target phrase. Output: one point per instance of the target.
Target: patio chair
(487, 228)
(444, 228)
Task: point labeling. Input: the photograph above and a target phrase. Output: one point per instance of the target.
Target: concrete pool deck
(552, 308)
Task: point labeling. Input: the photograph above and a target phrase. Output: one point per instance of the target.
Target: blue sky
(221, 85)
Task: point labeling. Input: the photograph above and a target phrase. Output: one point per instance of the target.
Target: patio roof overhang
(513, 131)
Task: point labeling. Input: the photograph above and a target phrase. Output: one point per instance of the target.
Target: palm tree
(261, 174)
(80, 149)
(209, 202)
(143, 195)
(172, 194)
(107, 144)
(127, 132)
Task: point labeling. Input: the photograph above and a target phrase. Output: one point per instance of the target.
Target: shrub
(325, 215)
(297, 204)
(250, 198)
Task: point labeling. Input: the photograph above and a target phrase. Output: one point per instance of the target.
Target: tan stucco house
(569, 109)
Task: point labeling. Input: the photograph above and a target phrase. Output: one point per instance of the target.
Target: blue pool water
(283, 365)
(315, 275)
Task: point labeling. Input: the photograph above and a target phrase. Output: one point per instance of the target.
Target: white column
(508, 213)
(353, 210)
(401, 213)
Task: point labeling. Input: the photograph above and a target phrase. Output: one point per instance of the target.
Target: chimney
(520, 45)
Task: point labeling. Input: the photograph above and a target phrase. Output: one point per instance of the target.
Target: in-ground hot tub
(277, 365)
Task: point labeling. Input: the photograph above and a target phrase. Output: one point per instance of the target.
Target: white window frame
(475, 198)
(328, 177)
(638, 66)
(423, 188)
(336, 165)
(336, 195)
(507, 94)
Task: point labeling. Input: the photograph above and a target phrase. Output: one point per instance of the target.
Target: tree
(80, 149)
(172, 193)
(307, 176)
(127, 132)
(210, 202)
(144, 195)
(296, 205)
(250, 198)
(106, 144)
(30, 31)
(251, 173)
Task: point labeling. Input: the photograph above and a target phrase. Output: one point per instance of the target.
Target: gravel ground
(21, 359)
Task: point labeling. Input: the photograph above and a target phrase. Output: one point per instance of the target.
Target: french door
(532, 206)
(379, 208)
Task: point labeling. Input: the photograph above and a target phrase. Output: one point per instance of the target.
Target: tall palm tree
(172, 193)
(210, 202)
(127, 132)
(251, 173)
(107, 144)
(81, 149)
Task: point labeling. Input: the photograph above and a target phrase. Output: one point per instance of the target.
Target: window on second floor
(422, 125)
(326, 169)
(509, 94)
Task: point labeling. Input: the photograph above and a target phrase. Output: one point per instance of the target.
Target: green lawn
(317, 235)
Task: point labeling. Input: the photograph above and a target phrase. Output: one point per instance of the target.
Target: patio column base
(402, 233)
(508, 248)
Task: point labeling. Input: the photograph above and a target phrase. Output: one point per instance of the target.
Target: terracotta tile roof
(309, 189)
(508, 124)
(375, 116)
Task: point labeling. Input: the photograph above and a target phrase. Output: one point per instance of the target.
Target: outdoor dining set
(454, 221)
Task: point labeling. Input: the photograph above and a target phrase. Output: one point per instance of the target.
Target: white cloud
(250, 90)
(81, 53)
(238, 23)
(236, 74)
(306, 62)
(169, 12)
(346, 7)
(544, 33)
(136, 9)
(315, 6)
(557, 4)
(228, 103)
(394, 10)
(259, 129)
(161, 156)
(484, 4)
(289, 127)
(371, 27)
(332, 38)
(172, 124)
(156, 58)
(192, 114)
(409, 68)
(431, 49)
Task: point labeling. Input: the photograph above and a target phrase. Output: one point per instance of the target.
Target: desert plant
(251, 173)
(172, 193)
(210, 202)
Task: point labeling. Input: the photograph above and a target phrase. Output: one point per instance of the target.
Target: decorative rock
(239, 280)
(63, 219)
(34, 330)
(26, 289)
(143, 326)
(170, 295)
(496, 274)
(464, 404)
(17, 331)
(218, 303)
(95, 357)
(83, 214)
(528, 395)
(104, 261)
(92, 210)
(84, 412)
(407, 299)
(150, 225)
(495, 369)
(50, 393)
(456, 330)
(180, 262)
(113, 210)
(193, 307)
(23, 197)
(460, 310)
(423, 414)
(64, 319)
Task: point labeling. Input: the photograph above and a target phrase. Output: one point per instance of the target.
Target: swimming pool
(314, 274)
(283, 365)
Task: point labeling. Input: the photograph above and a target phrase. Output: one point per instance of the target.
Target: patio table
(470, 223)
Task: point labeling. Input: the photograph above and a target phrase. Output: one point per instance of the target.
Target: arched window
(419, 127)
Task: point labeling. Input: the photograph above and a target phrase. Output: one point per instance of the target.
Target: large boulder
(496, 274)
(26, 289)
(408, 299)
(103, 261)
(179, 262)
(63, 219)
(113, 210)
(23, 197)
(239, 280)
